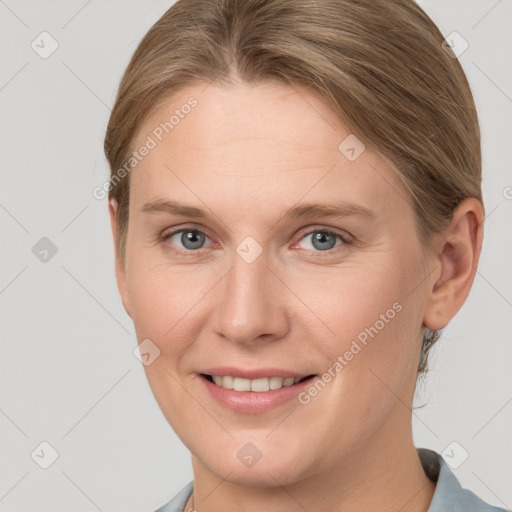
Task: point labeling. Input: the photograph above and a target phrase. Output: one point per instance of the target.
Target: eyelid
(166, 234)
(345, 237)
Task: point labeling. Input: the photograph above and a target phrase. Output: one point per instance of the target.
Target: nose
(252, 303)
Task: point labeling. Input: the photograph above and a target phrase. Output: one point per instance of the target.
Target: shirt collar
(449, 495)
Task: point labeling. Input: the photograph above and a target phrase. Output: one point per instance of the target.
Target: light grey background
(68, 374)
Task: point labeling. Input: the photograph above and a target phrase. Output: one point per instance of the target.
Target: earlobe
(119, 264)
(457, 260)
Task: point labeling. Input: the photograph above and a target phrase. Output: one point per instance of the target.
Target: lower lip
(254, 402)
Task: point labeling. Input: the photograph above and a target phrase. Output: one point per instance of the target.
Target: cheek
(164, 300)
(373, 323)
(152, 304)
(167, 302)
(354, 303)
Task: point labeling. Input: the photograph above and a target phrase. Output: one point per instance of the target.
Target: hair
(379, 64)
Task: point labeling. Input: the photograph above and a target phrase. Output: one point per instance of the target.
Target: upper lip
(255, 373)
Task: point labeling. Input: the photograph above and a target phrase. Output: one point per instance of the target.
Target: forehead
(253, 144)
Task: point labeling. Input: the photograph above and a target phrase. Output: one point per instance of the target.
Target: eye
(324, 240)
(186, 240)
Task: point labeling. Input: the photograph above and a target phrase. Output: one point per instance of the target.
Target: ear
(458, 252)
(119, 264)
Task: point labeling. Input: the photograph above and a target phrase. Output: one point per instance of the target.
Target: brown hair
(379, 64)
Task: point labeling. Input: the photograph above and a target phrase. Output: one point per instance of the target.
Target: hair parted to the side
(378, 63)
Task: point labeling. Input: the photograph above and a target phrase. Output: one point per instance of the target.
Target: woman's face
(260, 286)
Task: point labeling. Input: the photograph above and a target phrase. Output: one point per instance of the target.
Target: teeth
(276, 382)
(258, 385)
(240, 384)
(227, 382)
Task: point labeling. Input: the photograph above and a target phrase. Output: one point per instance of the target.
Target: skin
(245, 154)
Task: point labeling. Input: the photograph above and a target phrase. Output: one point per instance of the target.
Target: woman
(296, 209)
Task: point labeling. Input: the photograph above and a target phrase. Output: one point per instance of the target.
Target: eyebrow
(302, 211)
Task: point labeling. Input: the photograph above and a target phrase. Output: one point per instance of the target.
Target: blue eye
(324, 240)
(186, 241)
(191, 239)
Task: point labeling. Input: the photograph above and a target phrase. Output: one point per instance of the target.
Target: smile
(255, 395)
(260, 385)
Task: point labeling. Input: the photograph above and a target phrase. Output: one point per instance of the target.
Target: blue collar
(449, 495)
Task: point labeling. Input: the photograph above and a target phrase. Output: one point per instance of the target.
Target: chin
(261, 475)
(266, 466)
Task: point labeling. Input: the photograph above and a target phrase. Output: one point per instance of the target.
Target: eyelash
(346, 239)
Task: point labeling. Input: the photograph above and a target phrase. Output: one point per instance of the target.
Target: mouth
(253, 391)
(259, 385)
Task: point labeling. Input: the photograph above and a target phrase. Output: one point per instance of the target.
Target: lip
(254, 402)
(256, 373)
